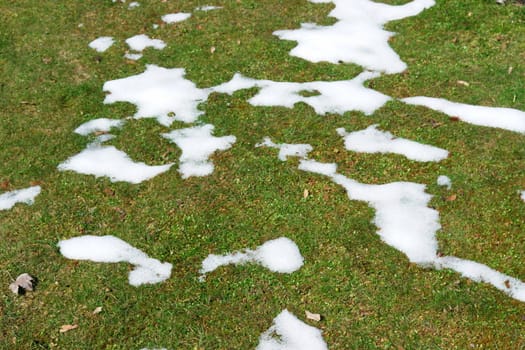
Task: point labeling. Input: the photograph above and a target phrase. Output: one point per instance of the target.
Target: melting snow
(108, 161)
(26, 195)
(157, 93)
(279, 255)
(357, 37)
(102, 44)
(176, 17)
(133, 5)
(207, 8)
(286, 149)
(495, 117)
(142, 41)
(443, 180)
(98, 125)
(523, 195)
(198, 144)
(110, 249)
(371, 140)
(334, 97)
(289, 333)
(133, 56)
(407, 224)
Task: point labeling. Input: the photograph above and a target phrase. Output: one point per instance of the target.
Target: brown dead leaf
(507, 284)
(67, 327)
(463, 82)
(4, 185)
(451, 198)
(454, 119)
(312, 316)
(306, 193)
(35, 183)
(100, 132)
(109, 192)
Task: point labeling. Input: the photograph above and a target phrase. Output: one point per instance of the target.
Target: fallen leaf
(462, 82)
(35, 183)
(454, 119)
(510, 70)
(24, 282)
(109, 192)
(312, 316)
(4, 185)
(212, 49)
(507, 284)
(306, 193)
(97, 310)
(451, 198)
(67, 327)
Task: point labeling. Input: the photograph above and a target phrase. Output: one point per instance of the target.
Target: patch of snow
(157, 93)
(207, 8)
(289, 333)
(197, 145)
(278, 255)
(110, 249)
(482, 273)
(102, 43)
(495, 117)
(142, 41)
(372, 140)
(406, 223)
(286, 149)
(133, 56)
(176, 17)
(95, 125)
(523, 195)
(26, 195)
(443, 180)
(357, 37)
(133, 5)
(333, 97)
(155, 26)
(108, 161)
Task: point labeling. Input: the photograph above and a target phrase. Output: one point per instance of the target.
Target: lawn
(369, 294)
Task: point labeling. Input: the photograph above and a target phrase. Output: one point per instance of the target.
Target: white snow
(278, 255)
(333, 97)
(102, 43)
(26, 195)
(133, 5)
(372, 140)
(495, 117)
(158, 93)
(406, 223)
(197, 145)
(108, 161)
(523, 195)
(142, 41)
(286, 149)
(443, 180)
(357, 37)
(207, 8)
(100, 124)
(176, 17)
(110, 249)
(133, 56)
(289, 333)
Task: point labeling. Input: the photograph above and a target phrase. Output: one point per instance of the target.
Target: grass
(368, 293)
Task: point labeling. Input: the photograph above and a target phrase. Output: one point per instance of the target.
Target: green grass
(368, 293)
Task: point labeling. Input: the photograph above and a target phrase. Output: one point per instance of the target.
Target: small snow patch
(443, 180)
(198, 144)
(207, 8)
(372, 140)
(133, 56)
(176, 17)
(133, 5)
(286, 149)
(98, 125)
(26, 195)
(289, 333)
(108, 161)
(142, 41)
(110, 249)
(278, 255)
(158, 92)
(101, 44)
(523, 196)
(495, 117)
